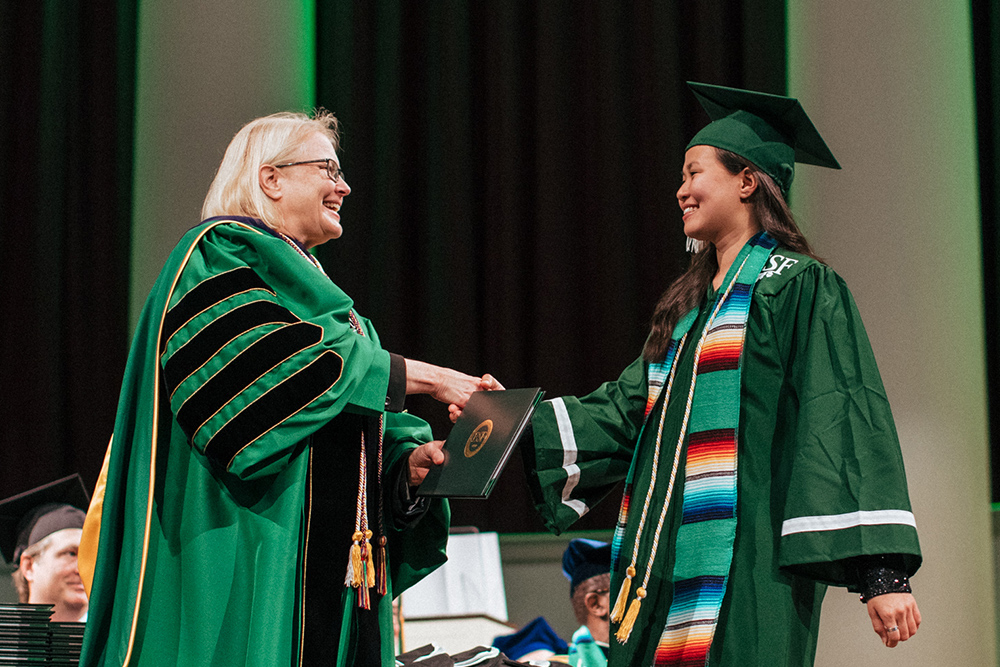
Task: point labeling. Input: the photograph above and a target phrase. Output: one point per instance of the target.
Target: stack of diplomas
(28, 637)
(480, 443)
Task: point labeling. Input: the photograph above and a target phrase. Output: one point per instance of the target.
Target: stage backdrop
(986, 41)
(514, 168)
(67, 87)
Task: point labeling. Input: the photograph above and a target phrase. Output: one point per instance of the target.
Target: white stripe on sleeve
(569, 457)
(815, 524)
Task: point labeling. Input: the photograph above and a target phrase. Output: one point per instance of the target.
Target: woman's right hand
(444, 384)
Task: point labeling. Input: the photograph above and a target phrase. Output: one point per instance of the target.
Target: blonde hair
(269, 140)
(33, 552)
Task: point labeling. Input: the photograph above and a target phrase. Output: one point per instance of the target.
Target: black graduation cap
(584, 559)
(32, 516)
(772, 131)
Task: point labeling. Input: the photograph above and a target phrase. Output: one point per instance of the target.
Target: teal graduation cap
(772, 131)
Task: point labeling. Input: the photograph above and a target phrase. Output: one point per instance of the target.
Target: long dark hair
(769, 210)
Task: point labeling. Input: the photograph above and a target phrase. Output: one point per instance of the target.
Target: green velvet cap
(772, 131)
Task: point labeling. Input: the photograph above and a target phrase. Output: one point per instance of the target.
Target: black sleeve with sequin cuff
(880, 574)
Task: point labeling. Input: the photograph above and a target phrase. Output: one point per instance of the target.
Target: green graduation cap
(32, 516)
(771, 131)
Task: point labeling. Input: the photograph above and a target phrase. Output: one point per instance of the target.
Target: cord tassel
(619, 610)
(625, 629)
(369, 558)
(364, 601)
(382, 578)
(357, 566)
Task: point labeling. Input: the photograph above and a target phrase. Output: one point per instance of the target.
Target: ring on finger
(894, 628)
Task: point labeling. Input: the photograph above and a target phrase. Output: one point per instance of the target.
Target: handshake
(448, 386)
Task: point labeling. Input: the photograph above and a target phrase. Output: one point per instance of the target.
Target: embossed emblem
(478, 438)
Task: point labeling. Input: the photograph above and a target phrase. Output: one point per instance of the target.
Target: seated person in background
(587, 565)
(40, 533)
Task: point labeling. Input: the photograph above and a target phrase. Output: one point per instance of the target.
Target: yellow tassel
(371, 569)
(625, 629)
(369, 560)
(619, 610)
(357, 567)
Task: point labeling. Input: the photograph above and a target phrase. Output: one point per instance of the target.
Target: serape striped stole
(704, 546)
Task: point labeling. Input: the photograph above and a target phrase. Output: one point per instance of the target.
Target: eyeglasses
(332, 170)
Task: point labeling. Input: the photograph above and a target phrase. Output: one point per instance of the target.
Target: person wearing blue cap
(587, 565)
(759, 452)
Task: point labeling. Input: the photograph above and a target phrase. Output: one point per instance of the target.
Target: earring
(694, 245)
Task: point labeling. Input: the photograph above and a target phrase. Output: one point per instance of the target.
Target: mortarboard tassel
(625, 629)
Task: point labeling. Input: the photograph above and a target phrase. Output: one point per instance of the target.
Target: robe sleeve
(581, 447)
(255, 359)
(847, 493)
(417, 548)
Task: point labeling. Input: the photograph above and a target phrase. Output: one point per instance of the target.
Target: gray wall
(533, 579)
(204, 69)
(889, 84)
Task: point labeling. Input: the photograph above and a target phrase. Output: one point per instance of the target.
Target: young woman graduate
(759, 451)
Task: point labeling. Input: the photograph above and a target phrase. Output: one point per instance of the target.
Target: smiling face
(306, 200)
(53, 577)
(711, 198)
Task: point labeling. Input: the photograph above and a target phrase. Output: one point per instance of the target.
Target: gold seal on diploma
(478, 438)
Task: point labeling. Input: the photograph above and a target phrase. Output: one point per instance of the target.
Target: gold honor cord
(619, 610)
(625, 629)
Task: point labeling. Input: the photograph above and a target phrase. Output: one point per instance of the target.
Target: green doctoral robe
(233, 473)
(820, 476)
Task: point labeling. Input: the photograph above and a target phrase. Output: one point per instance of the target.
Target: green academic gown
(233, 474)
(820, 476)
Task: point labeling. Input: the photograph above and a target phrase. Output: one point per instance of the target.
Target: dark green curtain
(986, 45)
(514, 167)
(66, 108)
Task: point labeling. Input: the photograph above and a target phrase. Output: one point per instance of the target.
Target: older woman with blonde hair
(258, 504)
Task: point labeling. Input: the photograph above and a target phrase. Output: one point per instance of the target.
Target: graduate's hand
(895, 617)
(422, 459)
(486, 383)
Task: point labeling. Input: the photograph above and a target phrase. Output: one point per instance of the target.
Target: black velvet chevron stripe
(207, 293)
(206, 343)
(244, 369)
(274, 407)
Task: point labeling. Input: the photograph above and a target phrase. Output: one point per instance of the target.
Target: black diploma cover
(480, 443)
